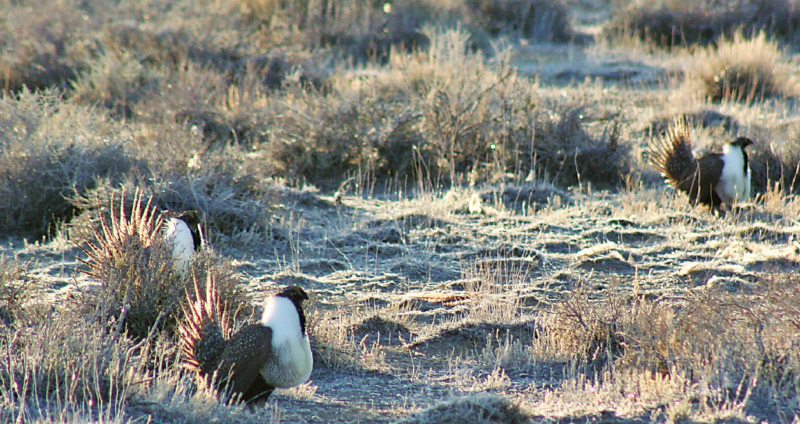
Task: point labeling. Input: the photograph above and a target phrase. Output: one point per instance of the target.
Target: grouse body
(182, 233)
(259, 357)
(712, 180)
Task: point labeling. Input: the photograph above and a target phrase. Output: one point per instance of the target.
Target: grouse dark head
(742, 142)
(294, 293)
(192, 218)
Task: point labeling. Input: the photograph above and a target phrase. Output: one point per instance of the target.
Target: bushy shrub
(16, 289)
(675, 23)
(51, 152)
(66, 364)
(444, 114)
(114, 81)
(44, 50)
(741, 69)
(540, 20)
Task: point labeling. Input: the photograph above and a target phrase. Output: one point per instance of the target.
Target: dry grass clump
(444, 114)
(16, 289)
(493, 284)
(335, 345)
(482, 408)
(565, 152)
(743, 70)
(728, 347)
(67, 368)
(43, 50)
(53, 152)
(677, 23)
(583, 329)
(744, 348)
(139, 284)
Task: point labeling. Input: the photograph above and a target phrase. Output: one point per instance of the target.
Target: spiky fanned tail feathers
(671, 154)
(204, 330)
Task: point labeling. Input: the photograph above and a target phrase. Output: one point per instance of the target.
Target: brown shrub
(540, 20)
(445, 114)
(675, 23)
(51, 153)
(743, 70)
(44, 50)
(113, 81)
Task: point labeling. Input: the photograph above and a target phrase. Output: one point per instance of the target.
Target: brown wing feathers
(247, 351)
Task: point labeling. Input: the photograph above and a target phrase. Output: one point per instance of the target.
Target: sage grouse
(182, 232)
(256, 359)
(712, 180)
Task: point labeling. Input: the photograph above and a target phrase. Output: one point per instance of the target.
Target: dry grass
(17, 289)
(53, 152)
(66, 368)
(496, 249)
(483, 408)
(730, 350)
(743, 70)
(676, 23)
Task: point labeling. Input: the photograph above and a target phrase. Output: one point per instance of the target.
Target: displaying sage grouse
(256, 359)
(712, 180)
(182, 232)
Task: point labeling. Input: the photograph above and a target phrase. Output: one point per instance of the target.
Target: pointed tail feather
(203, 331)
(671, 154)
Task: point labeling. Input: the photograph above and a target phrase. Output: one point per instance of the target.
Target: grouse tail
(671, 154)
(204, 330)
